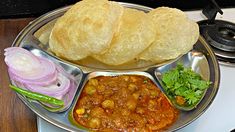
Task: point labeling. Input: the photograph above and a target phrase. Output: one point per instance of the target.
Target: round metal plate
(26, 37)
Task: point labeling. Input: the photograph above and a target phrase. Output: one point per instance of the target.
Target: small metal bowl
(98, 74)
(194, 60)
(26, 38)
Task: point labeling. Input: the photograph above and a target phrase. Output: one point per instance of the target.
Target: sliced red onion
(39, 74)
(47, 74)
(42, 82)
(57, 89)
(21, 60)
(72, 90)
(61, 70)
(8, 50)
(28, 68)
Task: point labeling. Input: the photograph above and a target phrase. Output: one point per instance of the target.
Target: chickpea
(94, 122)
(131, 104)
(151, 105)
(132, 87)
(152, 87)
(145, 91)
(97, 112)
(90, 89)
(96, 99)
(93, 82)
(153, 94)
(100, 88)
(136, 95)
(108, 104)
(108, 92)
(124, 92)
(84, 101)
(133, 79)
(140, 110)
(80, 111)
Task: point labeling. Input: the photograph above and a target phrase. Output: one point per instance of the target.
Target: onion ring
(28, 68)
(57, 89)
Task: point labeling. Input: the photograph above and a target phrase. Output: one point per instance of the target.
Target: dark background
(29, 8)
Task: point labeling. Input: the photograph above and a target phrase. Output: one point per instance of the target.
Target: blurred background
(34, 8)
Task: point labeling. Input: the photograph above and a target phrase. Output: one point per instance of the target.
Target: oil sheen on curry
(123, 103)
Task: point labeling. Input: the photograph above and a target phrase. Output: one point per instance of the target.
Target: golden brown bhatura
(175, 35)
(115, 35)
(85, 29)
(136, 33)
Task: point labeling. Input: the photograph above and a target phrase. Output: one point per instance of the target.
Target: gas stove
(221, 36)
(220, 116)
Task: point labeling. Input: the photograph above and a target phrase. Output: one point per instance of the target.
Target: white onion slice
(21, 60)
(57, 89)
(61, 70)
(45, 74)
(38, 74)
(42, 82)
(27, 68)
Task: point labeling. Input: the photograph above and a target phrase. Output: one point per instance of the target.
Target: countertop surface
(14, 115)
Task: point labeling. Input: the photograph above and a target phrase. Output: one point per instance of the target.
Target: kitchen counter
(14, 115)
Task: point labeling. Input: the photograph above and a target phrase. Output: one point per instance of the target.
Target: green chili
(38, 96)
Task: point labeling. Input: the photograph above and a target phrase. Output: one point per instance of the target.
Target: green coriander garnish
(184, 85)
(145, 81)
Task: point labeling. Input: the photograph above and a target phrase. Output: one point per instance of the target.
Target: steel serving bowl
(31, 38)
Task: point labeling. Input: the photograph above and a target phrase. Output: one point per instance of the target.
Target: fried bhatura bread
(136, 33)
(44, 32)
(85, 29)
(175, 35)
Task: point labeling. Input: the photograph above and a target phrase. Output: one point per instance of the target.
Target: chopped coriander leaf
(185, 84)
(145, 81)
(171, 77)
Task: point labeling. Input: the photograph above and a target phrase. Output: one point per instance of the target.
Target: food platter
(34, 38)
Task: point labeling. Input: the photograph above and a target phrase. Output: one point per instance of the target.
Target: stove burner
(221, 36)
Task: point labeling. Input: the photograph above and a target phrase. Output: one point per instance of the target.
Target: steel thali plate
(34, 35)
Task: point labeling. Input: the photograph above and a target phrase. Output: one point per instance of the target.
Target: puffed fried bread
(175, 35)
(85, 29)
(136, 33)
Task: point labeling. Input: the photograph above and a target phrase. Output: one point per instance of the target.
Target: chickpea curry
(123, 103)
